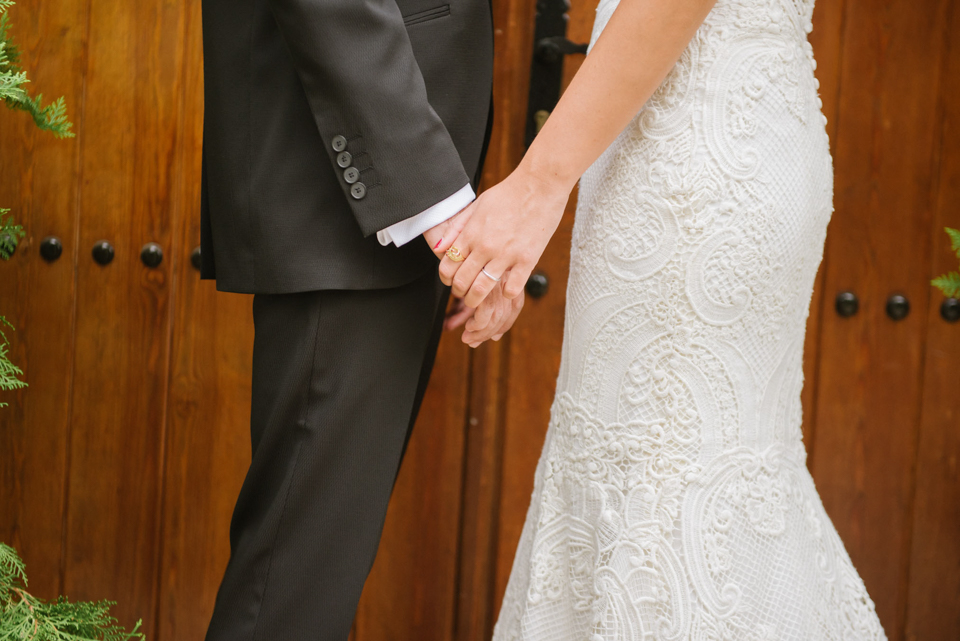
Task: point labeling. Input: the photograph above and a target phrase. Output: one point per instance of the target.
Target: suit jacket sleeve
(359, 73)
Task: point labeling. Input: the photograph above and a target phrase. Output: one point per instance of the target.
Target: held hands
(495, 315)
(504, 233)
(491, 320)
(500, 238)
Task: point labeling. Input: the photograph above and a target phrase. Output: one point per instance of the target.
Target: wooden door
(877, 379)
(83, 445)
(121, 462)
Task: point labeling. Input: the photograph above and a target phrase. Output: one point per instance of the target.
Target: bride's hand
(508, 228)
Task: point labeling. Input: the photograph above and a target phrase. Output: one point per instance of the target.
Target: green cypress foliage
(52, 118)
(24, 617)
(949, 283)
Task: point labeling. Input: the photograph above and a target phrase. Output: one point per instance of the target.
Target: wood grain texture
(127, 164)
(208, 410)
(933, 591)
(870, 375)
(39, 183)
(411, 592)
(476, 607)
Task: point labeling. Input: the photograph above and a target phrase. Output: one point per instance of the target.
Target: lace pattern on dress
(672, 500)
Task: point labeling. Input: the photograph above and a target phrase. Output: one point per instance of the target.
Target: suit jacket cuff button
(358, 191)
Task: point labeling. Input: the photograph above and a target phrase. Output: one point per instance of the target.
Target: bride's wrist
(549, 177)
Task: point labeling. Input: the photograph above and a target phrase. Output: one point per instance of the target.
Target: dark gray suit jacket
(402, 86)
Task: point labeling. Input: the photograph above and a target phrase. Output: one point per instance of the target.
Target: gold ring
(454, 254)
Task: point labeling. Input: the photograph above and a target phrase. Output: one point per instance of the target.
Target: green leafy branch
(949, 283)
(9, 373)
(10, 234)
(51, 117)
(24, 617)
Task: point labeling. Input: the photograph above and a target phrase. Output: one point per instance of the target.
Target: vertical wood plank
(208, 409)
(127, 161)
(412, 589)
(870, 386)
(208, 444)
(476, 607)
(39, 183)
(933, 591)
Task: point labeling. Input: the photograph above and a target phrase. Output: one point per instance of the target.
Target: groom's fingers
(504, 312)
(516, 306)
(509, 317)
(457, 315)
(482, 318)
(496, 318)
(485, 321)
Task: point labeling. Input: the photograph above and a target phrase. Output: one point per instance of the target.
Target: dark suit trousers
(338, 377)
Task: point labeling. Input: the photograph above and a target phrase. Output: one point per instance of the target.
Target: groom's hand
(457, 314)
(493, 318)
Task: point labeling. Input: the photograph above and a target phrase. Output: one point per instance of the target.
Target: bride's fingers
(466, 274)
(443, 245)
(515, 281)
(449, 267)
(489, 278)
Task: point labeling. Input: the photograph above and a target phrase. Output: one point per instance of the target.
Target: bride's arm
(511, 223)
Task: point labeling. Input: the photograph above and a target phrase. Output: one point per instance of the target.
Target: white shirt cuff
(406, 230)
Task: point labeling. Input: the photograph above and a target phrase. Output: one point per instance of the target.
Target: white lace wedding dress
(672, 500)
